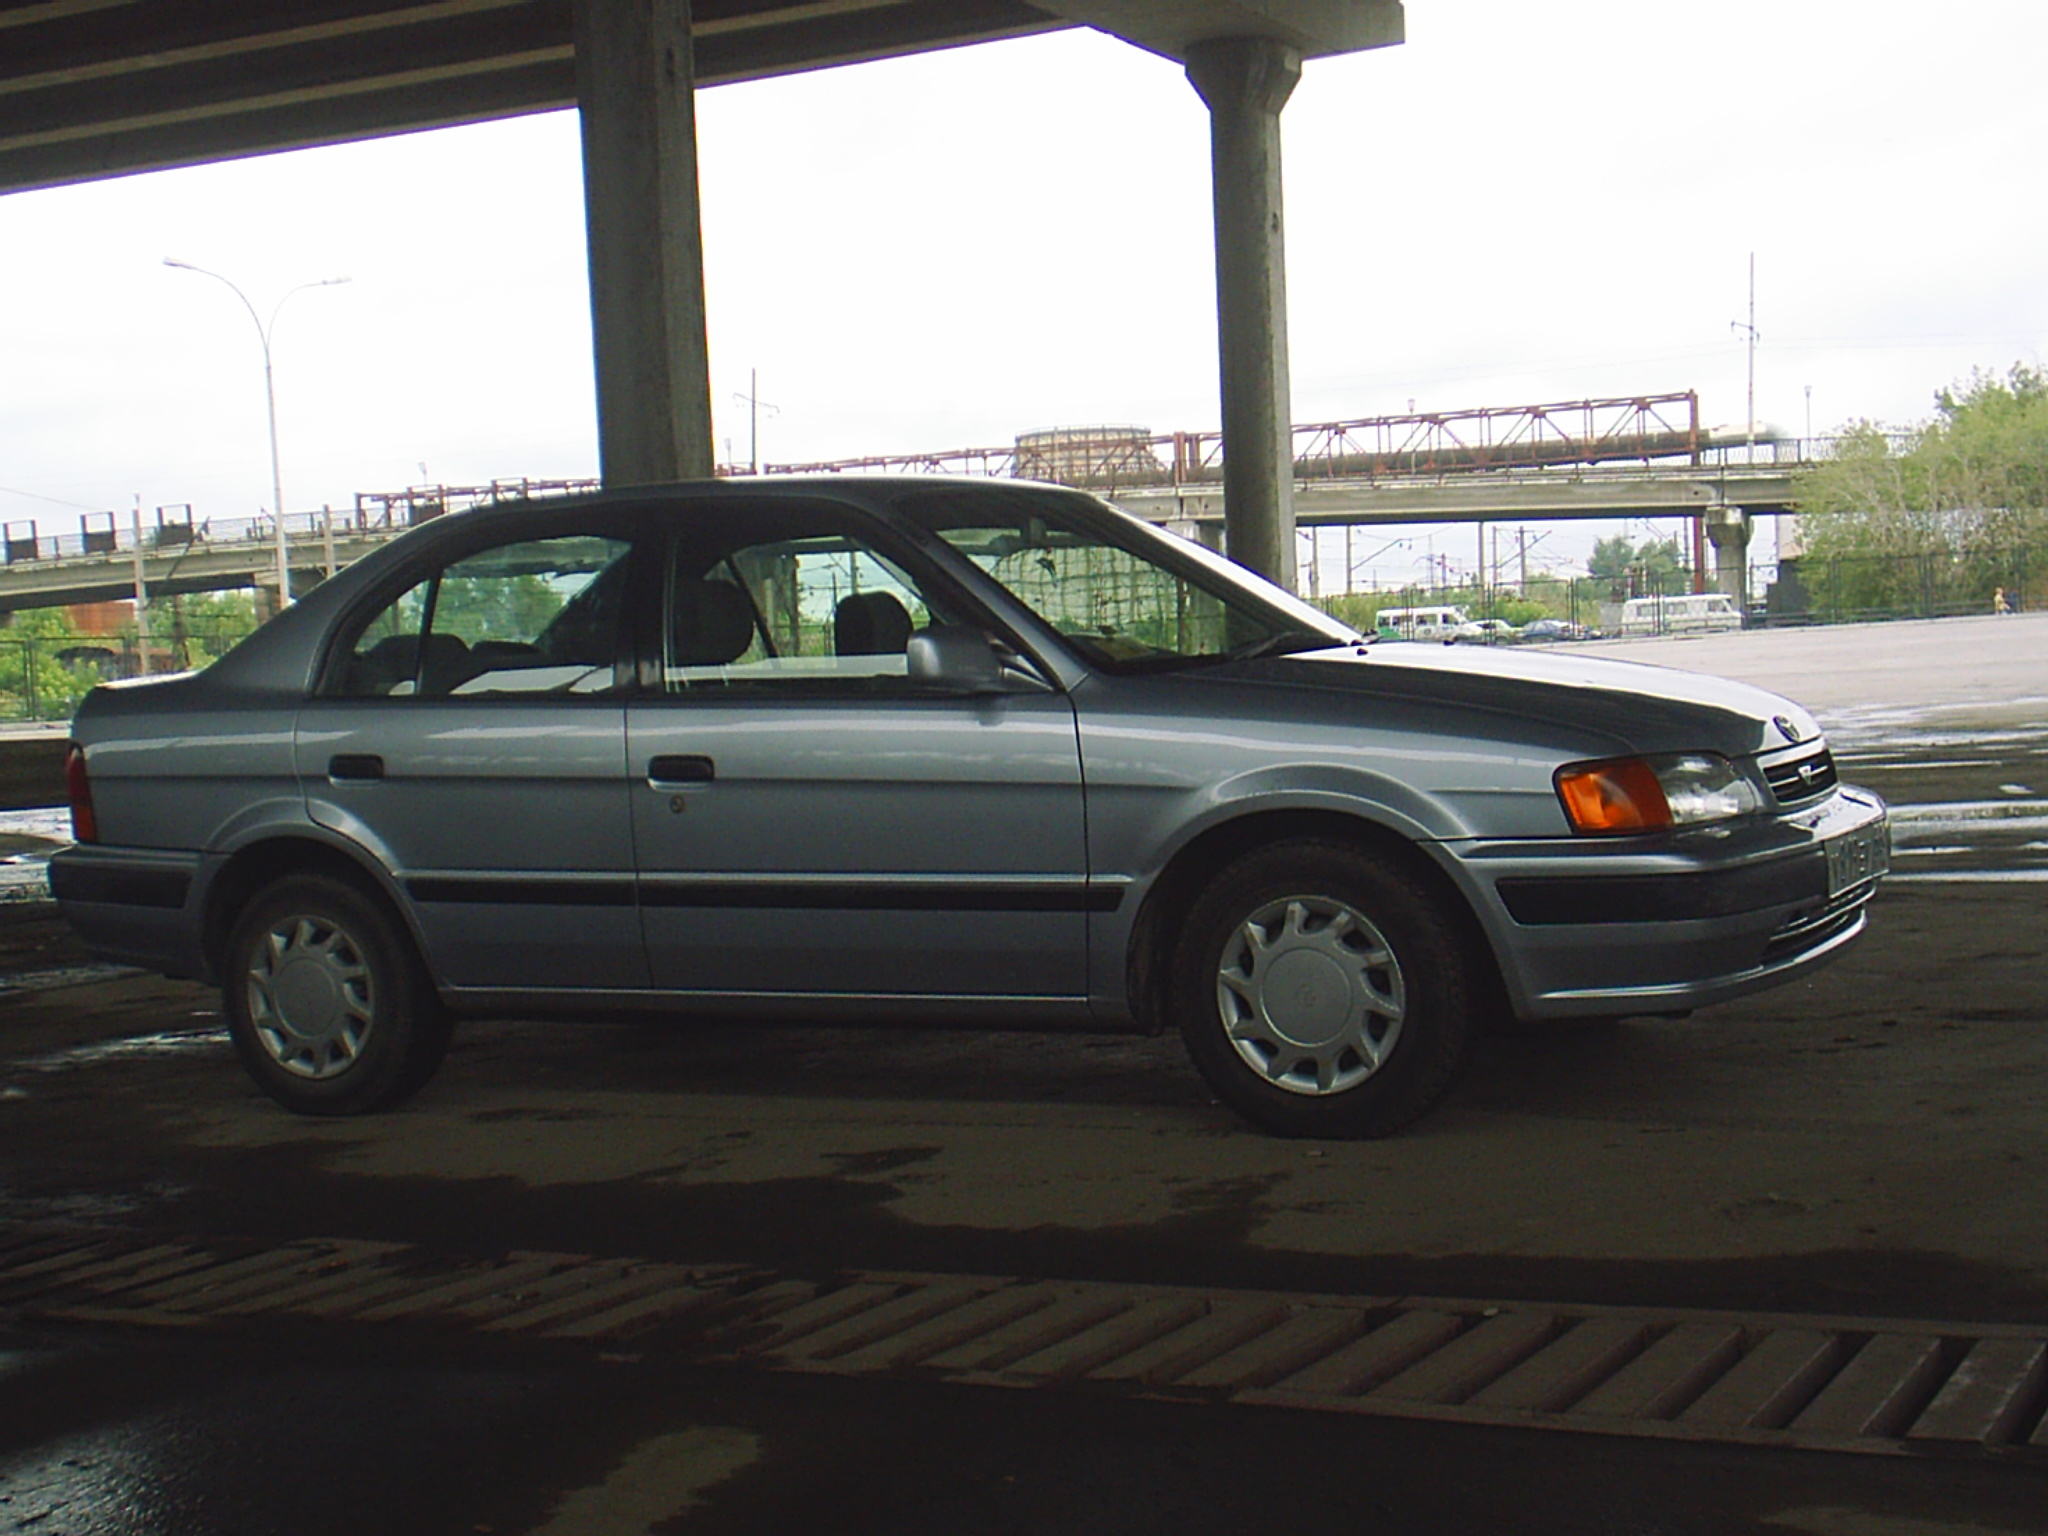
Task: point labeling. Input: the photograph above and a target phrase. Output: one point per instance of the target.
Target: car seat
(870, 624)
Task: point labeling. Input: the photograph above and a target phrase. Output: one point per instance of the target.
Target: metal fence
(42, 677)
(1842, 589)
(1811, 589)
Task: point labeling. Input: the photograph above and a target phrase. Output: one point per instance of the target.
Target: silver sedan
(921, 748)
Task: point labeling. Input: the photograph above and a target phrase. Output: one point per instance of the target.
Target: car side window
(809, 610)
(536, 616)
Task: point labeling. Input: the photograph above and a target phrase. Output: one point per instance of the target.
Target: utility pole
(754, 404)
(141, 596)
(1748, 329)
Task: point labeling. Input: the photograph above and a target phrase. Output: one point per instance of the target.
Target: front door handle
(668, 774)
(355, 767)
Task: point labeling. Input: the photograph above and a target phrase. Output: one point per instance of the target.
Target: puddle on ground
(191, 1042)
(1996, 841)
(27, 839)
(1967, 805)
(64, 976)
(88, 1209)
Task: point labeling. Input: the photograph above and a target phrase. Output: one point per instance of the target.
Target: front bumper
(1666, 925)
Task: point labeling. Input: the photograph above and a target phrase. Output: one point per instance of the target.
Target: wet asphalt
(124, 1112)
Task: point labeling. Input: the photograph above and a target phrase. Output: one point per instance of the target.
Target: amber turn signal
(1620, 795)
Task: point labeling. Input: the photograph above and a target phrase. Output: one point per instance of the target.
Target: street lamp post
(284, 575)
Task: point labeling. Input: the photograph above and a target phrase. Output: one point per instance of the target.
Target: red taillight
(85, 828)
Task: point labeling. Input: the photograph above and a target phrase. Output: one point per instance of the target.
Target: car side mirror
(956, 657)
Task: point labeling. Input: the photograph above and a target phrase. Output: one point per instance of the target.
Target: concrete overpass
(198, 557)
(1535, 495)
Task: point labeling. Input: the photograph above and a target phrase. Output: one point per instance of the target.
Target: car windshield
(1125, 595)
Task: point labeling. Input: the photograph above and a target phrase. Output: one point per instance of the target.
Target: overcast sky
(1524, 203)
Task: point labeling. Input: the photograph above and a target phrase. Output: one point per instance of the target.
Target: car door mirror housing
(956, 657)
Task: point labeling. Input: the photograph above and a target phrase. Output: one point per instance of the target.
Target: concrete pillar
(1728, 528)
(1245, 82)
(635, 85)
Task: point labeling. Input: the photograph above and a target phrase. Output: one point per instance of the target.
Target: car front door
(807, 820)
(472, 736)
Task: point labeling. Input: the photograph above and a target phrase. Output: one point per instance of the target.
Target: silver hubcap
(311, 998)
(1310, 995)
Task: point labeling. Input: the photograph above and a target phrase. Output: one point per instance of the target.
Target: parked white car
(1491, 632)
(1444, 621)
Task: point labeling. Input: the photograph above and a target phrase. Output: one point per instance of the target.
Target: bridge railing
(374, 514)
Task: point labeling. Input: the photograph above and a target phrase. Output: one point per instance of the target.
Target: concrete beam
(92, 88)
(179, 569)
(1245, 82)
(636, 88)
(1484, 498)
(1313, 28)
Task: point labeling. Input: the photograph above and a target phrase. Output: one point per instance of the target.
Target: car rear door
(473, 737)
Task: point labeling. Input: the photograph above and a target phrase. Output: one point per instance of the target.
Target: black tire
(1323, 991)
(326, 999)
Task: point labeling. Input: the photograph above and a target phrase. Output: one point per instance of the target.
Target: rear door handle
(672, 773)
(356, 767)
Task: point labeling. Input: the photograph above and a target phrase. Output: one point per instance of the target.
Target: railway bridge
(1614, 457)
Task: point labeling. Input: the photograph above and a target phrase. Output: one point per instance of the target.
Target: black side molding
(119, 887)
(1540, 902)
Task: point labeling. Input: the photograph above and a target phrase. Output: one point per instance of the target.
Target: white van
(1686, 613)
(1444, 622)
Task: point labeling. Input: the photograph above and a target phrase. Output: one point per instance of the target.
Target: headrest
(714, 623)
(870, 624)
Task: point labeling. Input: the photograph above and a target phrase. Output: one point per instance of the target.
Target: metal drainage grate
(1813, 1383)
(1819, 1383)
(553, 1295)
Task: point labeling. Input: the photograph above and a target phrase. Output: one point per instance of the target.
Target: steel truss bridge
(1617, 457)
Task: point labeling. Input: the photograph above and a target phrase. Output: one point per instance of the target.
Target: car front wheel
(1323, 991)
(327, 1003)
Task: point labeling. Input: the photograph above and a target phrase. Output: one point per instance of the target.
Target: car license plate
(1859, 856)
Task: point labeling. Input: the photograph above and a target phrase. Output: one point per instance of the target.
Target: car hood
(1641, 708)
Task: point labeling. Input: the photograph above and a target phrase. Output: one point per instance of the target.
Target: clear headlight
(1642, 794)
(1701, 786)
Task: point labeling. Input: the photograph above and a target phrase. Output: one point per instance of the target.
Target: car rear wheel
(1323, 991)
(329, 1007)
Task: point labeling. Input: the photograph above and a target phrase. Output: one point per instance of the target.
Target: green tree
(202, 627)
(34, 684)
(1629, 568)
(1932, 518)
